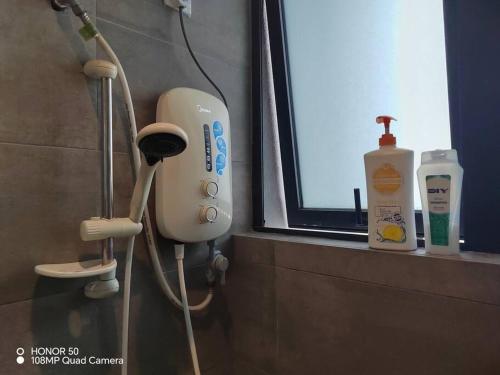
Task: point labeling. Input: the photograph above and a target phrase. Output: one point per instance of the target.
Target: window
(337, 65)
(352, 61)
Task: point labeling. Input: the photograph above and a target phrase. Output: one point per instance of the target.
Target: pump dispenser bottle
(389, 182)
(440, 181)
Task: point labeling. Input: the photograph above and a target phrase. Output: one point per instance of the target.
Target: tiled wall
(49, 173)
(310, 306)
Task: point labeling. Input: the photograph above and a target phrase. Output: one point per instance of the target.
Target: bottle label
(391, 226)
(386, 179)
(438, 199)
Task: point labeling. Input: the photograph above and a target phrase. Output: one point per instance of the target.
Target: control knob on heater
(209, 188)
(208, 214)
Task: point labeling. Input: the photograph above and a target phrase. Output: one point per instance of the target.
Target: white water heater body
(193, 189)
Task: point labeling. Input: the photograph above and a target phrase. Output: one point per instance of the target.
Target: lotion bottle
(440, 182)
(389, 182)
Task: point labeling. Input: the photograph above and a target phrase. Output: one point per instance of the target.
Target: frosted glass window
(349, 62)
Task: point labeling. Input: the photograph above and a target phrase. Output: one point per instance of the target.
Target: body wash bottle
(440, 182)
(389, 183)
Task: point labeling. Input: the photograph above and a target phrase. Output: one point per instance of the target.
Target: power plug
(178, 3)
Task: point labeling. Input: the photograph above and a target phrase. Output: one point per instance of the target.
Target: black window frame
(461, 106)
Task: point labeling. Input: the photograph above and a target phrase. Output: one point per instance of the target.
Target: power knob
(209, 188)
(208, 214)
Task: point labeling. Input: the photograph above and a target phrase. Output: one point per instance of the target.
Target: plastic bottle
(440, 182)
(389, 182)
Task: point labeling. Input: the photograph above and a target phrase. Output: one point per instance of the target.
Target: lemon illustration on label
(391, 228)
(393, 232)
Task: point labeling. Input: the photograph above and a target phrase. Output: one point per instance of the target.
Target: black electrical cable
(196, 60)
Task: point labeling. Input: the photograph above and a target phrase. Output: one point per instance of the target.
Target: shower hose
(148, 230)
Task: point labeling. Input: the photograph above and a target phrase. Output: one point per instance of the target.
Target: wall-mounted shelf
(87, 268)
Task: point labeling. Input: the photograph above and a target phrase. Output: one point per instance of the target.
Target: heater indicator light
(208, 148)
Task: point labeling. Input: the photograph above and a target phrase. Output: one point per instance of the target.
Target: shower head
(156, 141)
(161, 140)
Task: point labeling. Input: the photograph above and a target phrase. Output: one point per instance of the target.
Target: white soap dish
(87, 268)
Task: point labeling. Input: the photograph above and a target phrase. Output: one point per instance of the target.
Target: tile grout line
(276, 323)
(57, 147)
(41, 297)
(173, 44)
(369, 251)
(376, 252)
(407, 290)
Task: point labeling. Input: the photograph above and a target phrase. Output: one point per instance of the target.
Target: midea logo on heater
(203, 110)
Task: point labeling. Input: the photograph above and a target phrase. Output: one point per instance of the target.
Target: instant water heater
(193, 190)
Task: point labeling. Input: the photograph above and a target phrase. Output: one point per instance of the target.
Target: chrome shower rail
(106, 118)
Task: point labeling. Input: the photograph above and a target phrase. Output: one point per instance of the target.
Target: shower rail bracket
(97, 228)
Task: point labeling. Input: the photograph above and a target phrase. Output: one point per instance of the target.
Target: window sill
(473, 276)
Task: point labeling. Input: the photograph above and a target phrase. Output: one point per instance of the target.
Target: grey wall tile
(63, 174)
(28, 169)
(153, 67)
(255, 344)
(251, 293)
(253, 250)
(59, 321)
(157, 334)
(331, 325)
(157, 341)
(445, 276)
(64, 184)
(338, 324)
(46, 100)
(242, 197)
(221, 369)
(239, 114)
(216, 28)
(251, 302)
(242, 367)
(41, 210)
(46, 192)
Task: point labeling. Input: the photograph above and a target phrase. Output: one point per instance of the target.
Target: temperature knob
(209, 188)
(208, 214)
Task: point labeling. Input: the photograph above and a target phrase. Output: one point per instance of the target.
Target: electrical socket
(177, 3)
